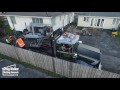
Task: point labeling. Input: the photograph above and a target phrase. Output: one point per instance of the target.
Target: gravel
(109, 47)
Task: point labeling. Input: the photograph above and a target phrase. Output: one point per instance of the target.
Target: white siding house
(20, 20)
(105, 20)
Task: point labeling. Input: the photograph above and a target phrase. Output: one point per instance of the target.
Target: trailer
(38, 31)
(76, 51)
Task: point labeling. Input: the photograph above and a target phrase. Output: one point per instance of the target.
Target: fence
(65, 68)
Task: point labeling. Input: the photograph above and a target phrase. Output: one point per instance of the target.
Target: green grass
(106, 30)
(31, 66)
(80, 28)
(118, 38)
(67, 55)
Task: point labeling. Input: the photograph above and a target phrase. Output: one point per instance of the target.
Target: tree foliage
(1, 22)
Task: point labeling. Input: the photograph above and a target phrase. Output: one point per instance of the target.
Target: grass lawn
(106, 30)
(31, 66)
(118, 38)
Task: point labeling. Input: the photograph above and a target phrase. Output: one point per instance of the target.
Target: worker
(64, 48)
(7, 41)
(11, 38)
(20, 43)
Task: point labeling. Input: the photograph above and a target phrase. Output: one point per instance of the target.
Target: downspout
(33, 29)
(25, 25)
(13, 25)
(63, 22)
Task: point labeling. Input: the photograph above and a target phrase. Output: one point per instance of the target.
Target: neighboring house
(105, 20)
(22, 20)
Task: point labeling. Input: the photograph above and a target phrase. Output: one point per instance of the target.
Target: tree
(1, 22)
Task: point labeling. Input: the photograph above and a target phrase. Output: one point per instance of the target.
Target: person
(7, 41)
(11, 38)
(20, 43)
(64, 48)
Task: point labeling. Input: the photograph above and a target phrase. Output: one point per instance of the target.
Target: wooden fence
(62, 67)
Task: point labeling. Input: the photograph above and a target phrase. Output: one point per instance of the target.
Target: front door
(97, 22)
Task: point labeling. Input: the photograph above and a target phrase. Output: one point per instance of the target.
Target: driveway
(109, 47)
(23, 71)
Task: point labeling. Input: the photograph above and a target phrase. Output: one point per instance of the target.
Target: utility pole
(25, 25)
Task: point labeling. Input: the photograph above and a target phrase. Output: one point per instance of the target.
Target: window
(86, 19)
(12, 18)
(33, 19)
(92, 22)
(37, 20)
(53, 21)
(102, 22)
(98, 23)
(116, 21)
(41, 20)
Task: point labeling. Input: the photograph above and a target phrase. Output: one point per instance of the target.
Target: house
(105, 20)
(24, 20)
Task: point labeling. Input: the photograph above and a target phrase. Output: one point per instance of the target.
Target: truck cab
(67, 46)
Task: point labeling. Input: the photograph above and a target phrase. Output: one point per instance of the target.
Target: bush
(67, 55)
(2, 23)
(80, 28)
(8, 30)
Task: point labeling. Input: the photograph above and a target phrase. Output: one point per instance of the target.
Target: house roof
(40, 14)
(105, 14)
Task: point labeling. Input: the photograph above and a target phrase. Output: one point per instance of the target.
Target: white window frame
(37, 20)
(116, 21)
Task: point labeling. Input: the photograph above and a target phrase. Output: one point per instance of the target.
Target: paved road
(23, 71)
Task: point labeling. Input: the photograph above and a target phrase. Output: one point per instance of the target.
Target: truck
(76, 51)
(37, 31)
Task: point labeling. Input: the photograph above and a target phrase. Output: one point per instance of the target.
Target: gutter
(97, 16)
(26, 16)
